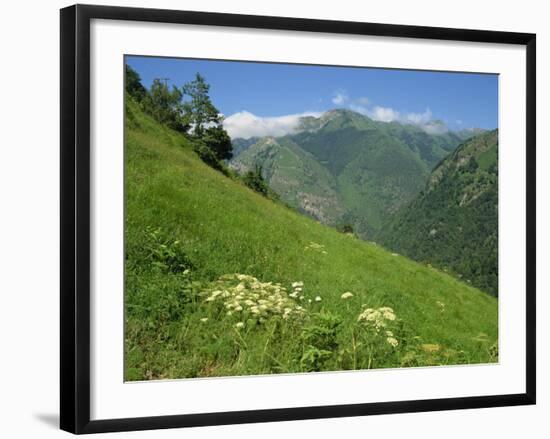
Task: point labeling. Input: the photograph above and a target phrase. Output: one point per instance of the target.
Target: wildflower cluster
(391, 339)
(246, 297)
(377, 319)
(313, 246)
(298, 293)
(297, 290)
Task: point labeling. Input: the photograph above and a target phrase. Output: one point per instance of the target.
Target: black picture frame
(75, 217)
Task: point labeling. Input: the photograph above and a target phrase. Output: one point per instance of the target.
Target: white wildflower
(318, 299)
(239, 325)
(241, 293)
(347, 295)
(204, 319)
(316, 247)
(392, 341)
(376, 318)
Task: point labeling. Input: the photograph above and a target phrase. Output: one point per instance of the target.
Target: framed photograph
(268, 218)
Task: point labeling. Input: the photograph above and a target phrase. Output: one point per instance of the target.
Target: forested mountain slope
(453, 223)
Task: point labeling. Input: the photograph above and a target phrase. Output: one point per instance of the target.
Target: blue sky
(262, 93)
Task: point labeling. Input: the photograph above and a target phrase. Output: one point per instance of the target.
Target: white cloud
(340, 98)
(423, 120)
(244, 124)
(384, 114)
(359, 109)
(419, 118)
(434, 127)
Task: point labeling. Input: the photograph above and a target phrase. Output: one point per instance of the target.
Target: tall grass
(187, 227)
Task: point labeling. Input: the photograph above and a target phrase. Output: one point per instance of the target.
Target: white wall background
(29, 250)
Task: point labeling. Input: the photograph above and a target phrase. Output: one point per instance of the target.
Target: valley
(345, 168)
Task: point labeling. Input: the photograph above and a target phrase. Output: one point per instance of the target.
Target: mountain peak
(342, 112)
(333, 118)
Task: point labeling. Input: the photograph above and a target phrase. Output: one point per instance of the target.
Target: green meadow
(222, 281)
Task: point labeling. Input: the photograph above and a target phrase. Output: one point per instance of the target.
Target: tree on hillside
(165, 106)
(200, 109)
(205, 119)
(133, 84)
(217, 139)
(197, 116)
(255, 181)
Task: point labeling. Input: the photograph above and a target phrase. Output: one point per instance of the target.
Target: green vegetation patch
(212, 268)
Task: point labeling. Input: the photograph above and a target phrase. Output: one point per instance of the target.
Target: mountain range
(343, 168)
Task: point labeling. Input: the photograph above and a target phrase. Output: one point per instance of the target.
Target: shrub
(345, 228)
(217, 139)
(208, 156)
(157, 251)
(320, 338)
(255, 181)
(314, 359)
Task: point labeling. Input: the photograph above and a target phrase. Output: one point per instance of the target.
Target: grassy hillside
(188, 225)
(363, 170)
(454, 222)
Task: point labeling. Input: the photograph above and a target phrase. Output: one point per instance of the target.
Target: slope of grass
(187, 225)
